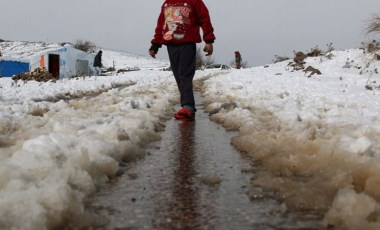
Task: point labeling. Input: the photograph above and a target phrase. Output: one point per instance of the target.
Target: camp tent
(61, 61)
(10, 67)
(64, 62)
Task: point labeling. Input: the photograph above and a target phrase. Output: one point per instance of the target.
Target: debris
(312, 71)
(39, 74)
(128, 69)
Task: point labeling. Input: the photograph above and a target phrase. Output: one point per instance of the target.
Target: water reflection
(182, 209)
(166, 190)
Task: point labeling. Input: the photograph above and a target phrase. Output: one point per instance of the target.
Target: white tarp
(69, 58)
(71, 62)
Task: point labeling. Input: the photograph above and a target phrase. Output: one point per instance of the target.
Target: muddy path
(191, 179)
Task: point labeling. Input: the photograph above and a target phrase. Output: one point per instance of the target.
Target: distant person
(178, 27)
(98, 63)
(237, 59)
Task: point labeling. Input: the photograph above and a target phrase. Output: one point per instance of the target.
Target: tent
(61, 62)
(11, 67)
(64, 62)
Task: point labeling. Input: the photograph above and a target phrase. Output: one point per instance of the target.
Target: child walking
(178, 27)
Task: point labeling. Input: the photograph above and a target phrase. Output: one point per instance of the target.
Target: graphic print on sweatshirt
(176, 21)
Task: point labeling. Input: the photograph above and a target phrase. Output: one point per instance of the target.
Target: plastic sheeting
(9, 68)
(72, 62)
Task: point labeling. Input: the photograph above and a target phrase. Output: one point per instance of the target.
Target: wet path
(192, 179)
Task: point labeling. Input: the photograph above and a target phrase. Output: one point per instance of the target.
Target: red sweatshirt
(180, 22)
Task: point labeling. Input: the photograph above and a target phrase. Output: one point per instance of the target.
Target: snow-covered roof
(25, 50)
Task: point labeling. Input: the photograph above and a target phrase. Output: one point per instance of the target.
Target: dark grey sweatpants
(182, 61)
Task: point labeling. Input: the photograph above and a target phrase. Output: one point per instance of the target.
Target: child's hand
(153, 50)
(209, 48)
(152, 53)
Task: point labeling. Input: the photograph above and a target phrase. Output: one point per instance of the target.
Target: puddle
(192, 179)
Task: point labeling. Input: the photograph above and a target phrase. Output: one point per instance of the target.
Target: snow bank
(315, 141)
(60, 141)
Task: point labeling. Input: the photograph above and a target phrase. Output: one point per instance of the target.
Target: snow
(60, 140)
(317, 137)
(23, 50)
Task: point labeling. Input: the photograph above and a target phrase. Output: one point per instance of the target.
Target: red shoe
(185, 114)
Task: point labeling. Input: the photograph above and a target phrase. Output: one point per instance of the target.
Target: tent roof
(14, 59)
(26, 50)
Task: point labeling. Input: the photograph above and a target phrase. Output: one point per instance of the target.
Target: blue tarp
(10, 68)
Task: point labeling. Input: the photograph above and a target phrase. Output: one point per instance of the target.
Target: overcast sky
(259, 29)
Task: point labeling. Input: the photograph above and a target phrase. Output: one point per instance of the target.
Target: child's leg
(182, 60)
